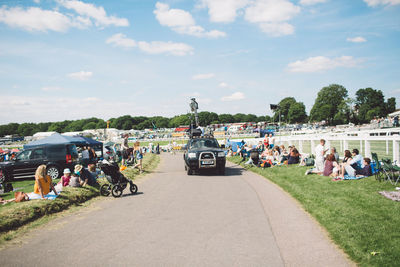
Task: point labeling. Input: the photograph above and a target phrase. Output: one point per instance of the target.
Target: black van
(55, 157)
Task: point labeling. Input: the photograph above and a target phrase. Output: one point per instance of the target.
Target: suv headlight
(191, 155)
(221, 154)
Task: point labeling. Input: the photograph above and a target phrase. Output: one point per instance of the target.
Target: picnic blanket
(49, 196)
(392, 195)
(347, 177)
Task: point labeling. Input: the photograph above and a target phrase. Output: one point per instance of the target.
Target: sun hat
(67, 170)
(78, 168)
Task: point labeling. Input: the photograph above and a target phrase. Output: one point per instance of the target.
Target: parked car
(56, 157)
(204, 152)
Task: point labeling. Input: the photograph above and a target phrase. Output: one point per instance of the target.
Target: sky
(70, 59)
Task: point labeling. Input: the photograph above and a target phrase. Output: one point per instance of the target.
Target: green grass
(14, 216)
(357, 217)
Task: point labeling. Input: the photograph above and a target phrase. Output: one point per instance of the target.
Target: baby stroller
(117, 181)
(255, 156)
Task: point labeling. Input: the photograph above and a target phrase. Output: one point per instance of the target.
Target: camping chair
(378, 172)
(392, 171)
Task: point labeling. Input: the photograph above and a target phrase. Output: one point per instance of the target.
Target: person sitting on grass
(92, 170)
(294, 156)
(85, 176)
(75, 181)
(43, 182)
(352, 165)
(331, 166)
(66, 177)
(366, 170)
(347, 156)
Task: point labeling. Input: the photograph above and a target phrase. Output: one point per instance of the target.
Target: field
(359, 220)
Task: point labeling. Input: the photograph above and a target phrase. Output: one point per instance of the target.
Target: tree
(205, 118)
(391, 105)
(284, 106)
(101, 124)
(250, 118)
(239, 117)
(90, 126)
(226, 118)
(297, 113)
(371, 103)
(179, 120)
(326, 105)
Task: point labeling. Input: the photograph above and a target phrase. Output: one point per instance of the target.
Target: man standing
(319, 158)
(124, 150)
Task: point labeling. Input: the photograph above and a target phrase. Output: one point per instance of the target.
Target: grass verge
(15, 215)
(358, 219)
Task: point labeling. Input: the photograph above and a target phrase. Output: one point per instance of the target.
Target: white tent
(41, 135)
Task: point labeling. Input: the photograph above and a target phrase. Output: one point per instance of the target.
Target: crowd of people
(326, 161)
(352, 165)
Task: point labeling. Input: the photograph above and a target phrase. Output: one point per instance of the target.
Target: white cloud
(155, 47)
(233, 97)
(223, 10)
(121, 40)
(182, 22)
(35, 19)
(176, 49)
(36, 1)
(271, 11)
(374, 3)
(223, 85)
(51, 89)
(272, 16)
(321, 63)
(311, 2)
(81, 75)
(98, 14)
(357, 39)
(277, 29)
(203, 76)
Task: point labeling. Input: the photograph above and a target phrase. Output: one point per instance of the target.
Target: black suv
(203, 152)
(24, 165)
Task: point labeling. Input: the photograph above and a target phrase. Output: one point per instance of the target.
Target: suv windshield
(198, 143)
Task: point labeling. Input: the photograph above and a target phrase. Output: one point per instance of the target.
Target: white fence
(385, 143)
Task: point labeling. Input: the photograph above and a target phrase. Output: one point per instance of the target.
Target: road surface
(239, 219)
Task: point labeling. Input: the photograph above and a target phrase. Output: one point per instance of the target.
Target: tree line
(125, 122)
(332, 105)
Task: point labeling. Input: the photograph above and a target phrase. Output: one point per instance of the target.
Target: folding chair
(379, 175)
(393, 171)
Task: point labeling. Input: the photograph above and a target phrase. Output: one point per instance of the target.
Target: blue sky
(62, 59)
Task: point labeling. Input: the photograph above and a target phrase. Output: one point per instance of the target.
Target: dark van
(55, 157)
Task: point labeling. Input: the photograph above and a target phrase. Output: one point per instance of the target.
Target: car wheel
(189, 171)
(53, 172)
(116, 191)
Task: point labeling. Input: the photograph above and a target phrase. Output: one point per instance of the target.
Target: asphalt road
(239, 219)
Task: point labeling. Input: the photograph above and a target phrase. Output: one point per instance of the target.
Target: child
(66, 177)
(366, 170)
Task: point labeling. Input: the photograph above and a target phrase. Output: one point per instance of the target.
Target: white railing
(387, 142)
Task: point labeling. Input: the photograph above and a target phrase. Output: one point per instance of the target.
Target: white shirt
(319, 152)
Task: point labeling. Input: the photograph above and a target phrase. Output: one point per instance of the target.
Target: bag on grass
(310, 162)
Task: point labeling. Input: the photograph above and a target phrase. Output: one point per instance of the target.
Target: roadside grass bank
(15, 215)
(358, 219)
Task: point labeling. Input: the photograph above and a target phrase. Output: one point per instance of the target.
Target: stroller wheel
(116, 191)
(133, 188)
(105, 190)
